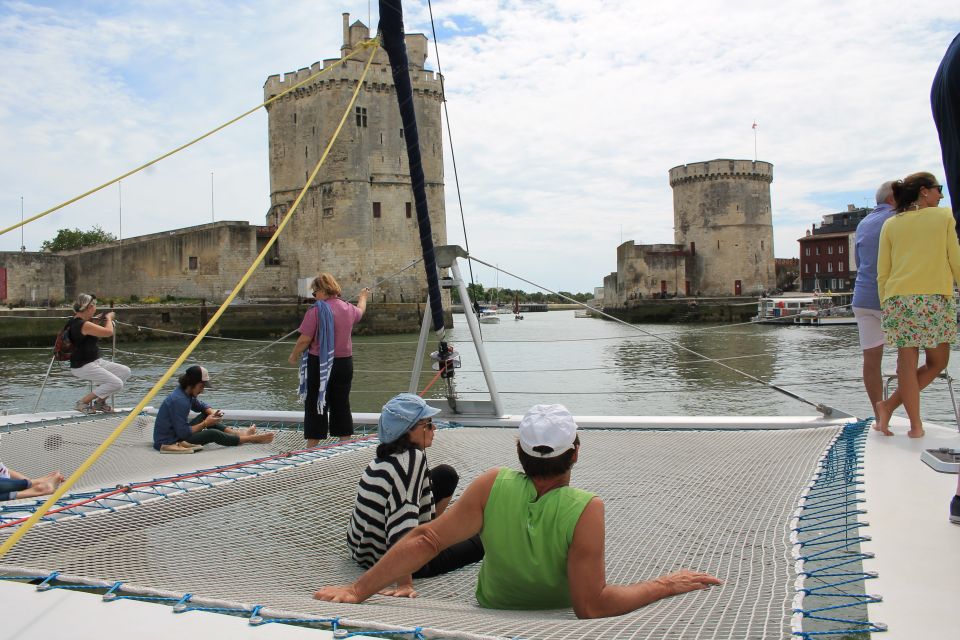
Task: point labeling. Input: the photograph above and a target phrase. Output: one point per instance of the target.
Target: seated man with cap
(172, 433)
(543, 539)
(399, 490)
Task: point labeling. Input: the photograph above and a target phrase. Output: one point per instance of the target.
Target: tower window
(306, 152)
(328, 212)
(401, 134)
(718, 244)
(376, 209)
(761, 244)
(830, 250)
(840, 249)
(409, 211)
(361, 113)
(192, 263)
(294, 118)
(840, 267)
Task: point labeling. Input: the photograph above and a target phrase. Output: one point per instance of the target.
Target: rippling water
(591, 365)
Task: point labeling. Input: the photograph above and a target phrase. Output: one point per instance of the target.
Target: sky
(565, 115)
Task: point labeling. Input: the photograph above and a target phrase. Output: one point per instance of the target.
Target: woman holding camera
(85, 360)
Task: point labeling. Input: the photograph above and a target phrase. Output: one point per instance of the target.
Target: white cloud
(566, 116)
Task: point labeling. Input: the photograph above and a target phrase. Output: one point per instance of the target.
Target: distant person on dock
(172, 433)
(918, 263)
(866, 298)
(543, 539)
(399, 491)
(16, 486)
(85, 361)
(324, 352)
(945, 103)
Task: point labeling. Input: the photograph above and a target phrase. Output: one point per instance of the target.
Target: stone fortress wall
(722, 214)
(358, 219)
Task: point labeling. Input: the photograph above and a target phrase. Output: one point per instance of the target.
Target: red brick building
(827, 260)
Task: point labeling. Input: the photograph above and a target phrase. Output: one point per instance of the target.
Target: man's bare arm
(592, 597)
(459, 522)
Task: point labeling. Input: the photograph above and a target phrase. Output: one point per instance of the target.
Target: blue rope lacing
(827, 533)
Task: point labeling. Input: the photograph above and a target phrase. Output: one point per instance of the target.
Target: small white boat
(489, 316)
(817, 309)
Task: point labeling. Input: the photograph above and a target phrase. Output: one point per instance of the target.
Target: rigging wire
(7, 544)
(183, 146)
(824, 409)
(453, 156)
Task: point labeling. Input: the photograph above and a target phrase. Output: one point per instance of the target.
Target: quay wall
(39, 327)
(683, 310)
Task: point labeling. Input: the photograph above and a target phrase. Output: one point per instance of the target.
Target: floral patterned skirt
(922, 320)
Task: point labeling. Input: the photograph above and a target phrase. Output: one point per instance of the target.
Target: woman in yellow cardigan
(918, 263)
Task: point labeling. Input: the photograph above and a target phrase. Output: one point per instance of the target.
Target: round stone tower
(721, 212)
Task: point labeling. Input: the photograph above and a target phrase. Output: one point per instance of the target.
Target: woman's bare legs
(935, 361)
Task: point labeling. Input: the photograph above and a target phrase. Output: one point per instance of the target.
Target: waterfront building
(723, 238)
(827, 257)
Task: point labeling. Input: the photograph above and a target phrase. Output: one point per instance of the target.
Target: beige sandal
(174, 448)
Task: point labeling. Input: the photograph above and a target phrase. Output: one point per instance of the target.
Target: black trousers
(336, 417)
(214, 434)
(443, 481)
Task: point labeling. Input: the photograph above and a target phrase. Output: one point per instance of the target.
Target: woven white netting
(717, 501)
(64, 446)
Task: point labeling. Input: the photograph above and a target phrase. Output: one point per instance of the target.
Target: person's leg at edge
(443, 481)
(314, 424)
(872, 376)
(955, 505)
(935, 362)
(338, 411)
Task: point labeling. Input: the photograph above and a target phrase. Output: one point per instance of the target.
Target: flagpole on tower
(755, 141)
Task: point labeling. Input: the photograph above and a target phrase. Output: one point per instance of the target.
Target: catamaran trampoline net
(716, 501)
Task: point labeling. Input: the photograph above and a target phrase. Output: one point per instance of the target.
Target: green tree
(68, 239)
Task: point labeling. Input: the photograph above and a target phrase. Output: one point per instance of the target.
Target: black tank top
(85, 349)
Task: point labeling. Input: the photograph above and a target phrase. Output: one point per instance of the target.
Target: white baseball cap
(547, 425)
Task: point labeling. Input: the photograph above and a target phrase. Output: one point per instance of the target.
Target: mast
(393, 41)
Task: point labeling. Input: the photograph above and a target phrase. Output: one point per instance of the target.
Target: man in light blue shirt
(866, 297)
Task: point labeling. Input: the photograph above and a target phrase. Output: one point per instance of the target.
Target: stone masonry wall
(642, 268)
(32, 278)
(204, 262)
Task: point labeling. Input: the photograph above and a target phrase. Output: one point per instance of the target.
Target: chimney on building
(851, 207)
(346, 30)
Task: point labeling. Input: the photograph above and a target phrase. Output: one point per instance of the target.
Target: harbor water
(595, 367)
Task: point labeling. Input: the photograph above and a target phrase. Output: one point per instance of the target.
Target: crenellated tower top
(721, 168)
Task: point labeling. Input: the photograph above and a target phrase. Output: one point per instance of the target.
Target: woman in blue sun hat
(399, 491)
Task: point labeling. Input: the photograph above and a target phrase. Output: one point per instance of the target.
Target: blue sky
(566, 115)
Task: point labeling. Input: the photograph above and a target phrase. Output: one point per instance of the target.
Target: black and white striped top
(393, 497)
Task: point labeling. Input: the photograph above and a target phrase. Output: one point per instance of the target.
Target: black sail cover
(392, 40)
(945, 101)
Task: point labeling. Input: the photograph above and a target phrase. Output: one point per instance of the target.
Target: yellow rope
(62, 489)
(184, 146)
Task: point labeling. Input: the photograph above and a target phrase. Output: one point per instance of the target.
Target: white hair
(884, 192)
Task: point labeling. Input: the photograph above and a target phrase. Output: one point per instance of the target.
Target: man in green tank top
(544, 540)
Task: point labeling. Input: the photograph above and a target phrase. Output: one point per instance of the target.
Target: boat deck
(917, 548)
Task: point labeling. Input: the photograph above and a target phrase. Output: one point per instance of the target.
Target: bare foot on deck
(882, 422)
(54, 477)
(915, 432)
(262, 438)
